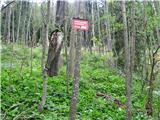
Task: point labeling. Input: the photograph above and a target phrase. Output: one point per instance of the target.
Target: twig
(7, 5)
(111, 98)
(15, 118)
(14, 105)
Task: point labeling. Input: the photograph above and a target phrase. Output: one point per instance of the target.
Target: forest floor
(22, 89)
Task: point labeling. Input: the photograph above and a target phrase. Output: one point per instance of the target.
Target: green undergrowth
(21, 90)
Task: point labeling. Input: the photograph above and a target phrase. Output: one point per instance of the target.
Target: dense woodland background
(110, 72)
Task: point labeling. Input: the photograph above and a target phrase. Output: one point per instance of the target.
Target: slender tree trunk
(44, 93)
(19, 20)
(114, 49)
(109, 41)
(159, 108)
(127, 64)
(133, 35)
(45, 39)
(157, 29)
(149, 107)
(23, 33)
(13, 40)
(145, 62)
(8, 36)
(32, 44)
(71, 55)
(65, 44)
(93, 33)
(99, 26)
(73, 106)
(28, 26)
(5, 26)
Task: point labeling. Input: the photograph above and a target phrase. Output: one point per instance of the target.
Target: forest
(80, 60)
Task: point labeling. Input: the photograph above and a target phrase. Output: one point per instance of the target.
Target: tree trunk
(127, 64)
(13, 40)
(149, 108)
(23, 33)
(71, 55)
(65, 44)
(99, 26)
(19, 20)
(44, 45)
(55, 48)
(157, 29)
(28, 27)
(8, 36)
(93, 32)
(109, 41)
(145, 62)
(133, 36)
(73, 106)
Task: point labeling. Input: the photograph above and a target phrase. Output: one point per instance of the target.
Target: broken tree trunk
(54, 50)
(56, 41)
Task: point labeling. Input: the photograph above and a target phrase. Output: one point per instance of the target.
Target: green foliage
(96, 41)
(21, 91)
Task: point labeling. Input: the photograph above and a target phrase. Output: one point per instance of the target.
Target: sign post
(81, 24)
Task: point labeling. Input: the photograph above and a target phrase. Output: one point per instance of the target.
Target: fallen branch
(14, 105)
(112, 99)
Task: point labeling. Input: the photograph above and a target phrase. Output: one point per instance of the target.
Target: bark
(133, 35)
(8, 17)
(71, 58)
(13, 38)
(23, 29)
(45, 38)
(157, 29)
(53, 56)
(159, 108)
(5, 28)
(19, 20)
(145, 62)
(28, 27)
(109, 41)
(73, 106)
(149, 107)
(54, 50)
(65, 44)
(127, 64)
(60, 13)
(71, 55)
(99, 26)
(92, 12)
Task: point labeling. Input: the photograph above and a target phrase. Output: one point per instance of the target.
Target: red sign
(79, 24)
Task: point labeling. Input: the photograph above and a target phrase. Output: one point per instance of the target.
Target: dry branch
(3, 7)
(112, 99)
